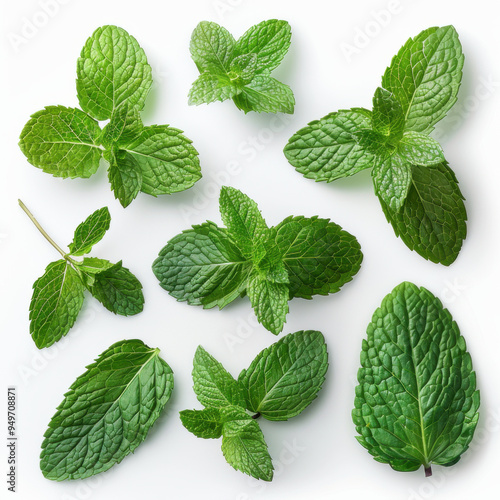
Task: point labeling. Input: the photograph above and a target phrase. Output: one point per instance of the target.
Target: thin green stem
(42, 230)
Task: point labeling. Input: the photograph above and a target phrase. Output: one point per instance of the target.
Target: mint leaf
(118, 290)
(89, 267)
(125, 177)
(107, 412)
(374, 143)
(241, 71)
(203, 267)
(56, 301)
(432, 220)
(62, 142)
(318, 255)
(206, 424)
(112, 69)
(168, 161)
(90, 232)
(211, 47)
(265, 94)
(392, 179)
(210, 88)
(328, 149)
(420, 149)
(416, 402)
(269, 41)
(213, 385)
(123, 127)
(425, 77)
(245, 448)
(387, 116)
(285, 378)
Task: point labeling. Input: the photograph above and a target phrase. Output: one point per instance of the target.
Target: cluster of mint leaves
(417, 189)
(107, 412)
(113, 81)
(416, 403)
(279, 384)
(241, 70)
(300, 257)
(58, 294)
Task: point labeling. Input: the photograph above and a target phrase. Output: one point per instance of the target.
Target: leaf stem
(428, 471)
(42, 230)
(256, 416)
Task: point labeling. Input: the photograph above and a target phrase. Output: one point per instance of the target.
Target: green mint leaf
(318, 255)
(112, 69)
(420, 149)
(270, 302)
(416, 402)
(269, 40)
(89, 267)
(203, 267)
(62, 142)
(212, 47)
(123, 127)
(212, 87)
(213, 385)
(168, 161)
(125, 177)
(107, 412)
(328, 149)
(206, 424)
(392, 180)
(243, 220)
(387, 116)
(432, 220)
(286, 377)
(118, 290)
(425, 77)
(244, 447)
(265, 94)
(56, 301)
(374, 143)
(243, 68)
(90, 232)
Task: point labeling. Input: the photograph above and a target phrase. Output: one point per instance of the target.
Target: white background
(339, 52)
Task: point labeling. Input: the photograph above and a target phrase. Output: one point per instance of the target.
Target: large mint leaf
(62, 141)
(206, 424)
(212, 87)
(328, 149)
(319, 256)
(213, 384)
(432, 220)
(285, 378)
(168, 161)
(90, 232)
(265, 94)
(269, 40)
(107, 412)
(420, 149)
(112, 69)
(212, 47)
(416, 402)
(425, 77)
(56, 301)
(203, 267)
(125, 177)
(392, 179)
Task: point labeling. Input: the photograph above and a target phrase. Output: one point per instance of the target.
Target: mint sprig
(418, 191)
(58, 294)
(300, 257)
(241, 70)
(113, 81)
(279, 384)
(107, 412)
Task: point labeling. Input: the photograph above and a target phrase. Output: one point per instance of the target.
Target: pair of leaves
(300, 257)
(418, 191)
(416, 403)
(59, 293)
(107, 412)
(113, 81)
(241, 70)
(279, 384)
